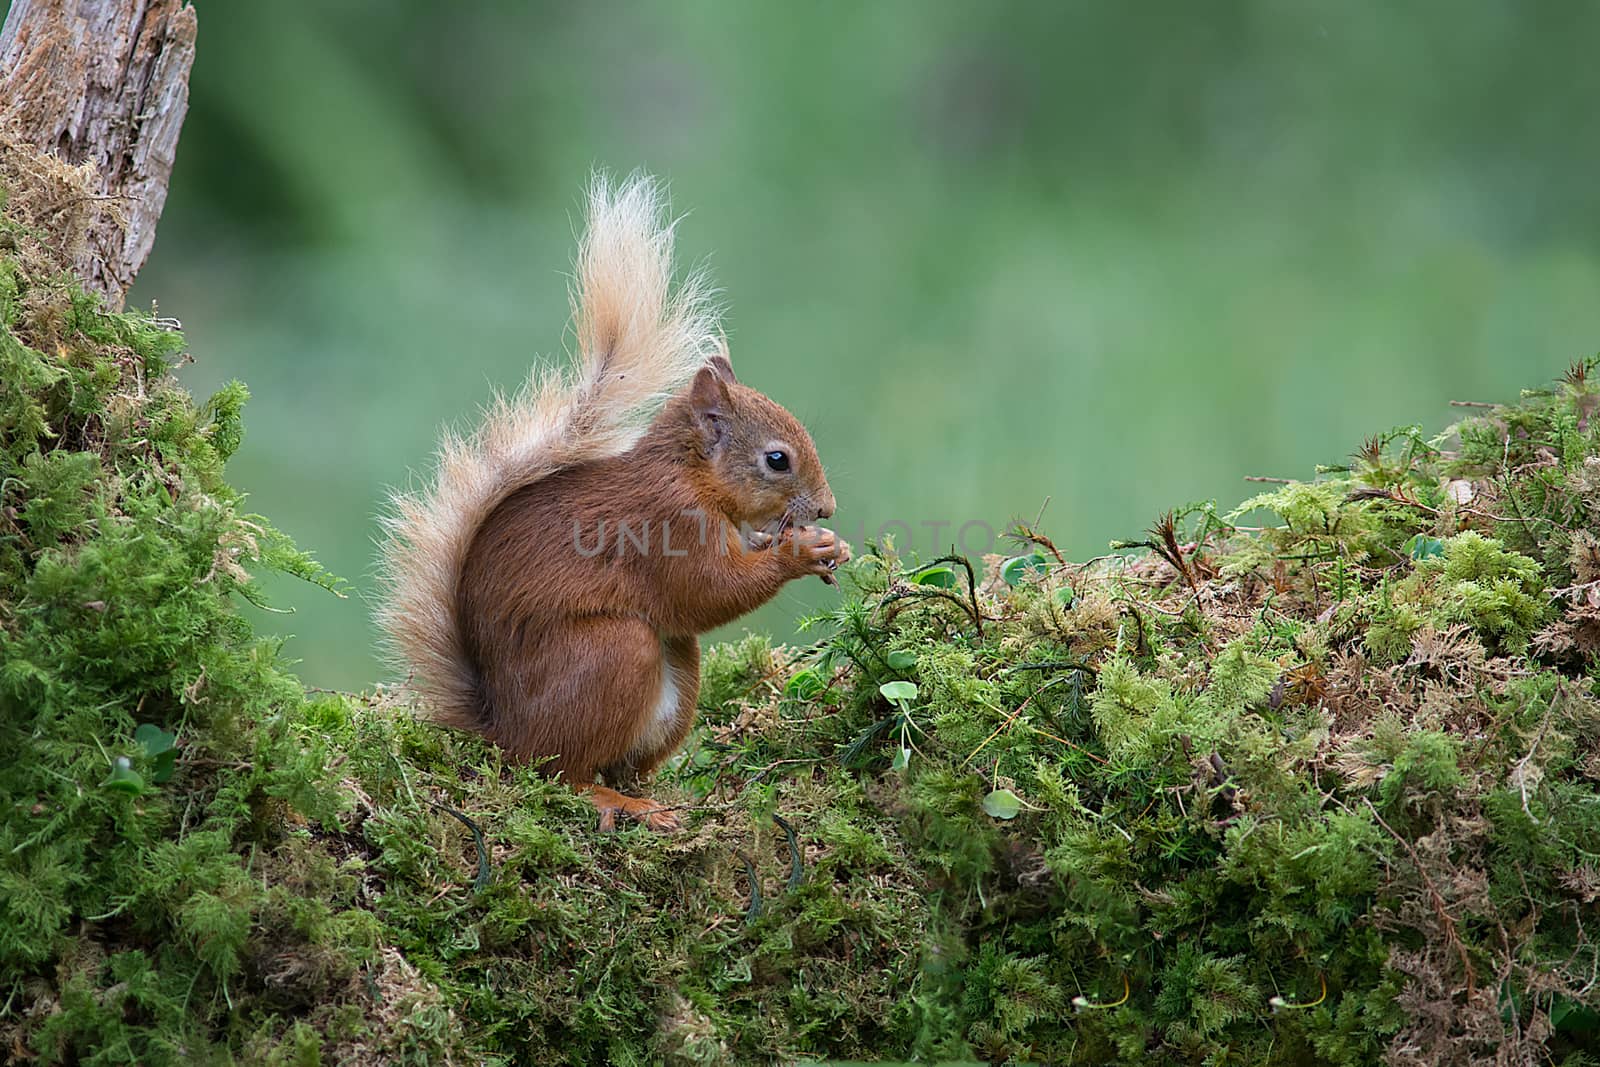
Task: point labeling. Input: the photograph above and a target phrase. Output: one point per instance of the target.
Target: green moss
(1499, 594)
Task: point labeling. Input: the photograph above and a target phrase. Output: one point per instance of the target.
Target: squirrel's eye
(778, 461)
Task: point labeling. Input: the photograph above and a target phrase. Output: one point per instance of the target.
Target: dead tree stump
(102, 82)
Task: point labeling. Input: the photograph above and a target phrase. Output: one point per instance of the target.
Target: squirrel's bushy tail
(638, 340)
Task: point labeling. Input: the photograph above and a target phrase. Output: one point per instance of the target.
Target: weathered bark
(104, 82)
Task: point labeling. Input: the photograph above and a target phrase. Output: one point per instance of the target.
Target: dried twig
(1446, 920)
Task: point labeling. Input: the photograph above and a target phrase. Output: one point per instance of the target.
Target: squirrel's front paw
(815, 550)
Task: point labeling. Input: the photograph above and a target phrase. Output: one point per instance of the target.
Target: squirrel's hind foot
(611, 803)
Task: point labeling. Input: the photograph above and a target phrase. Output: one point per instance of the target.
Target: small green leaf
(154, 739)
(162, 766)
(1017, 568)
(1569, 1014)
(804, 685)
(901, 660)
(161, 747)
(124, 779)
(899, 692)
(1065, 596)
(1422, 547)
(902, 759)
(942, 577)
(1002, 804)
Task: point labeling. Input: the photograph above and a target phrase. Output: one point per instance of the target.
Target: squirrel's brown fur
(549, 589)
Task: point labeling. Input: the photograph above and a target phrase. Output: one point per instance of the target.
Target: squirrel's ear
(722, 364)
(709, 399)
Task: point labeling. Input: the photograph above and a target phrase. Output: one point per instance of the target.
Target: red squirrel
(548, 589)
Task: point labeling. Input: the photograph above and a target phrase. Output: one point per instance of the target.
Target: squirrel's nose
(825, 506)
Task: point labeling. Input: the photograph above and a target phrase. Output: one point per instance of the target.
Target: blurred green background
(1116, 255)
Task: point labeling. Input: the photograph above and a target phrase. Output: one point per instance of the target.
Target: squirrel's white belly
(658, 727)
